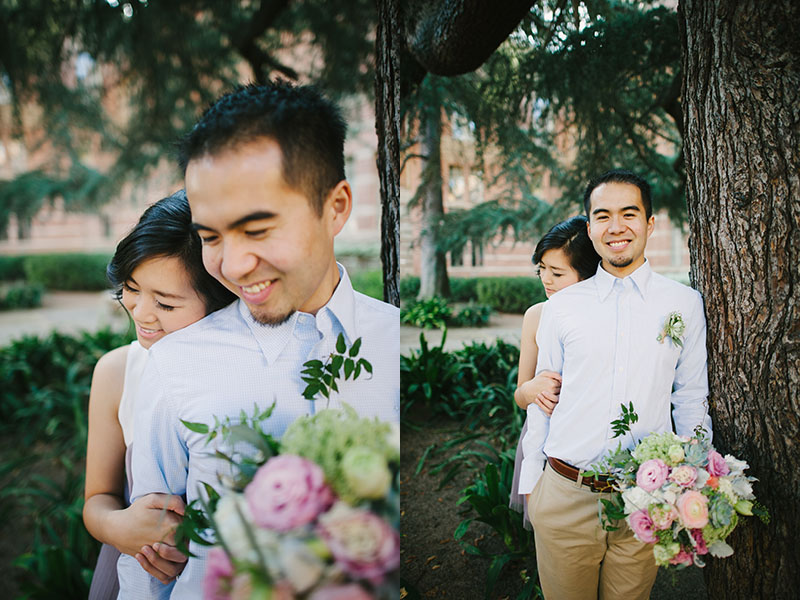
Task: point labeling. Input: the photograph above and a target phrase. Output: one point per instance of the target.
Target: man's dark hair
(571, 237)
(620, 176)
(165, 230)
(307, 126)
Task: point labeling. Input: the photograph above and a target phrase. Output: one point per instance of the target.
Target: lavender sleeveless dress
(105, 585)
(515, 499)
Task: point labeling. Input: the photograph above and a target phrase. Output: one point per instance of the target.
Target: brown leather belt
(596, 484)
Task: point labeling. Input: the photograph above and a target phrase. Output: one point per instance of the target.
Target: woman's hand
(543, 391)
(162, 561)
(146, 531)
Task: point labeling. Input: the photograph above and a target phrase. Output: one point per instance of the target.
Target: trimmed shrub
(20, 295)
(368, 282)
(510, 294)
(12, 268)
(464, 289)
(409, 288)
(86, 272)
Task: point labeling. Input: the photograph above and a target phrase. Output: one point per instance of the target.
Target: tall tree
(388, 47)
(603, 75)
(742, 117)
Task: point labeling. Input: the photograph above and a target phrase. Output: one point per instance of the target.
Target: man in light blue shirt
(602, 336)
(264, 173)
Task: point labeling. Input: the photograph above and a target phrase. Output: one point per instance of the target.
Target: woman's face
(160, 299)
(556, 272)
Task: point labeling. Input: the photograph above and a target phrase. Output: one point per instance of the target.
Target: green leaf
(341, 346)
(196, 427)
(349, 367)
(354, 349)
(462, 529)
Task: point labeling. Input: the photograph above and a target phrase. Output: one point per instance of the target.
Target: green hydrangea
(326, 437)
(656, 445)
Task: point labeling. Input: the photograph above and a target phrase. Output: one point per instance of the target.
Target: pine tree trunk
(387, 123)
(742, 117)
(433, 268)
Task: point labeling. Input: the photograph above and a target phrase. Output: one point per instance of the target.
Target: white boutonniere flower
(674, 328)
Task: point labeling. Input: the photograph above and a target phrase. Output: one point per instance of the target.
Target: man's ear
(338, 205)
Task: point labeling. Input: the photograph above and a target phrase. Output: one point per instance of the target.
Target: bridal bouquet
(314, 516)
(677, 493)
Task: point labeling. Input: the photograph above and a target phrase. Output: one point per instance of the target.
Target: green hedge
(12, 268)
(503, 294)
(68, 271)
(368, 282)
(20, 295)
(510, 294)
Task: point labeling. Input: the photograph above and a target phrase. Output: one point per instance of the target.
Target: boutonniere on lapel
(674, 327)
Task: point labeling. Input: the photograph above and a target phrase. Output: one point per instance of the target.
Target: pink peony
(684, 476)
(700, 541)
(351, 591)
(217, 579)
(693, 509)
(642, 526)
(287, 492)
(652, 474)
(362, 543)
(716, 464)
(682, 558)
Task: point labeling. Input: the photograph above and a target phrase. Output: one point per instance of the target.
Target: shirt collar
(640, 279)
(338, 314)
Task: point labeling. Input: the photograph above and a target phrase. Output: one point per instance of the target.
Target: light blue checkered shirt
(601, 334)
(227, 363)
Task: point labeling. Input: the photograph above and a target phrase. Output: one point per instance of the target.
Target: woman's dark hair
(165, 230)
(571, 237)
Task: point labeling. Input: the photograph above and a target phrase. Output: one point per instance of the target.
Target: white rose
(233, 519)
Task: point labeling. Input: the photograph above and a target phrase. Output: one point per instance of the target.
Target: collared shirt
(227, 363)
(601, 335)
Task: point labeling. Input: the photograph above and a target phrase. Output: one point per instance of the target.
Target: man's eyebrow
(623, 209)
(260, 215)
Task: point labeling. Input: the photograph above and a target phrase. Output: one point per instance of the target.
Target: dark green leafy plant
(472, 315)
(488, 498)
(428, 314)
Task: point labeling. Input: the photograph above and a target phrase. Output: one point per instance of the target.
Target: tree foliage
(102, 89)
(577, 88)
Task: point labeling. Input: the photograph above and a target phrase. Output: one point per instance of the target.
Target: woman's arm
(151, 519)
(542, 389)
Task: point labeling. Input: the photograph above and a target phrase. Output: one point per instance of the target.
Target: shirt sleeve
(160, 457)
(690, 386)
(159, 461)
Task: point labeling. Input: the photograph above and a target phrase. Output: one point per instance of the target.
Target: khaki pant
(577, 559)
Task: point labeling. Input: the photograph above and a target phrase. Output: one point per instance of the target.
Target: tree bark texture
(387, 123)
(451, 37)
(741, 65)
(433, 264)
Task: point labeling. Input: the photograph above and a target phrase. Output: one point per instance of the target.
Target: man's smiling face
(262, 238)
(619, 227)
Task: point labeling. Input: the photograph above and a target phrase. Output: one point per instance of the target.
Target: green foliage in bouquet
(353, 452)
(321, 377)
